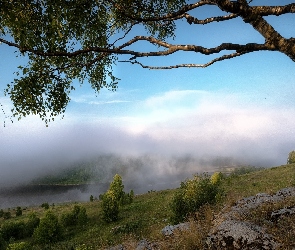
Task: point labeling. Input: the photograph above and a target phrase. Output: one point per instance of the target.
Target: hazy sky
(242, 108)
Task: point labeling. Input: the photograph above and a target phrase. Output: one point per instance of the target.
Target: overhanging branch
(188, 65)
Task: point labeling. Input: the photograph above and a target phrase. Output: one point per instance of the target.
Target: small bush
(19, 246)
(45, 205)
(6, 215)
(117, 187)
(13, 230)
(91, 198)
(3, 244)
(49, 230)
(110, 206)
(1, 213)
(193, 194)
(77, 217)
(18, 211)
(31, 224)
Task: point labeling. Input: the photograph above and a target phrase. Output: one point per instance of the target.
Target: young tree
(67, 40)
(110, 206)
(49, 230)
(291, 157)
(117, 187)
(18, 211)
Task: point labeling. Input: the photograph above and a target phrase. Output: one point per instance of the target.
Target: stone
(168, 230)
(230, 232)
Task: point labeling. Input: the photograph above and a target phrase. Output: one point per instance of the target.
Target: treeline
(96, 170)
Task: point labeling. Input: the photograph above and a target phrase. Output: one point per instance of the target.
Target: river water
(35, 195)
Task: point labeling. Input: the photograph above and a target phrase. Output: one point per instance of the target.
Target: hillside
(149, 213)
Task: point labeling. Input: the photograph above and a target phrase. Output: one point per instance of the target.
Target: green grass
(149, 213)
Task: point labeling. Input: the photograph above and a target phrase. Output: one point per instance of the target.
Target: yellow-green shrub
(194, 193)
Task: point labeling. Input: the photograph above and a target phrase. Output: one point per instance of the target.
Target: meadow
(150, 212)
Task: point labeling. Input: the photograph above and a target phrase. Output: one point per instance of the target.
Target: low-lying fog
(153, 159)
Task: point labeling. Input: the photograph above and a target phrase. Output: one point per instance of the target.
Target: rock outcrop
(230, 232)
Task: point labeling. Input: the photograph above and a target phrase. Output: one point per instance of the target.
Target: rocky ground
(230, 231)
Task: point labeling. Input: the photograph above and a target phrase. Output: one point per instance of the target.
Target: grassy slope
(149, 213)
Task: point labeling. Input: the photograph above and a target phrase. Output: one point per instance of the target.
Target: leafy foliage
(13, 230)
(18, 211)
(56, 26)
(117, 187)
(45, 205)
(49, 230)
(110, 206)
(32, 223)
(114, 198)
(7, 215)
(78, 216)
(18, 246)
(291, 157)
(3, 243)
(193, 194)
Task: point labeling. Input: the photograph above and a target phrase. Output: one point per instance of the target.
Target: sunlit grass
(150, 212)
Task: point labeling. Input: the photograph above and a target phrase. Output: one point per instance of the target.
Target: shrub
(31, 224)
(117, 187)
(127, 198)
(18, 211)
(3, 244)
(1, 213)
(82, 217)
(6, 215)
(77, 217)
(110, 206)
(113, 198)
(49, 230)
(18, 246)
(45, 205)
(91, 198)
(13, 230)
(216, 178)
(193, 194)
(291, 157)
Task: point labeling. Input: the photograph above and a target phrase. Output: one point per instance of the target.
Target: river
(34, 195)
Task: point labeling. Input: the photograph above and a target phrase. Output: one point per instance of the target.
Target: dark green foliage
(1, 213)
(13, 230)
(127, 198)
(18, 211)
(31, 224)
(19, 229)
(7, 215)
(49, 230)
(45, 205)
(77, 217)
(91, 198)
(192, 194)
(3, 243)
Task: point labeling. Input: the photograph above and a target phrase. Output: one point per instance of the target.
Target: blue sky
(241, 108)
